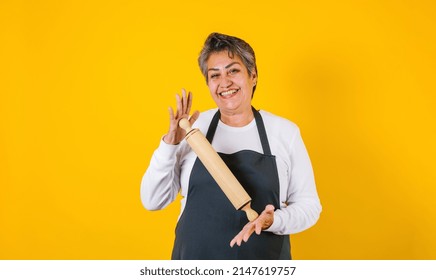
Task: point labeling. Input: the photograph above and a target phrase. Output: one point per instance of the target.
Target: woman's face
(230, 84)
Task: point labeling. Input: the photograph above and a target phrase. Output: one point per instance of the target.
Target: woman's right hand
(176, 134)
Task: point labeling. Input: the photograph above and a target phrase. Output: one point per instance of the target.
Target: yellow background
(85, 86)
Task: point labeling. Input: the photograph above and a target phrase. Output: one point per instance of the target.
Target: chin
(229, 107)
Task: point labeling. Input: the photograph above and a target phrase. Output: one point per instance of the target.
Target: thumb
(269, 209)
(194, 117)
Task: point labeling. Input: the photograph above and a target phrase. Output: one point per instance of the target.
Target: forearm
(296, 217)
(300, 205)
(160, 183)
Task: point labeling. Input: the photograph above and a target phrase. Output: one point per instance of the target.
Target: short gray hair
(217, 42)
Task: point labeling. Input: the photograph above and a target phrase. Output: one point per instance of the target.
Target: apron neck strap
(260, 128)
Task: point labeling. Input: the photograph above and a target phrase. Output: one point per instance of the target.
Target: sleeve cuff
(167, 150)
(275, 225)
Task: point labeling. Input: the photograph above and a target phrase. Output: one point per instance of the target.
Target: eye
(233, 71)
(213, 76)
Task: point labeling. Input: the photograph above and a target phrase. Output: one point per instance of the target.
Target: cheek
(212, 87)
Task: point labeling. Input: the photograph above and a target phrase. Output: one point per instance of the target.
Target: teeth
(228, 92)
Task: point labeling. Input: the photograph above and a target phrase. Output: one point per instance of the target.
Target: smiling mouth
(229, 92)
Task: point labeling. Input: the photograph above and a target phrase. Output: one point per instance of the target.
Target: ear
(254, 77)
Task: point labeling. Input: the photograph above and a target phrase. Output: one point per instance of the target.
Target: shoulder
(283, 135)
(277, 125)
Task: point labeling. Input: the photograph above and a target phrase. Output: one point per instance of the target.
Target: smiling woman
(264, 152)
(231, 86)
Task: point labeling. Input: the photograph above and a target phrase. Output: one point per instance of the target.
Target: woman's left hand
(262, 222)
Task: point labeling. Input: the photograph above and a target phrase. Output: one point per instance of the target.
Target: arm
(161, 182)
(303, 207)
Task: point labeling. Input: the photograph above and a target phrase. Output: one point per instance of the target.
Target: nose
(225, 82)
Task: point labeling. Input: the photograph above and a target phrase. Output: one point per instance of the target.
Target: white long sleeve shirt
(171, 165)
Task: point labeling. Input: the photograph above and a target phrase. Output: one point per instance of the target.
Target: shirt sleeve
(302, 208)
(161, 182)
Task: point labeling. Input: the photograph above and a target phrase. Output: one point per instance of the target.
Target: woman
(265, 152)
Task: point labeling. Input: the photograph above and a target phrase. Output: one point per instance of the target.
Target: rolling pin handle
(251, 214)
(185, 124)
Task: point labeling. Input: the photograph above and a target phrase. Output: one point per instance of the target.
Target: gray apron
(209, 221)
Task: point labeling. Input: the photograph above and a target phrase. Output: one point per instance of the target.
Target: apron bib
(209, 221)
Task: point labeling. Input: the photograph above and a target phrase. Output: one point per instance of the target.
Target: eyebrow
(228, 66)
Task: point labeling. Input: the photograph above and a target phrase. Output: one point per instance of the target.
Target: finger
(248, 233)
(194, 117)
(241, 236)
(236, 239)
(189, 102)
(179, 107)
(269, 208)
(232, 243)
(239, 241)
(259, 228)
(184, 101)
(171, 112)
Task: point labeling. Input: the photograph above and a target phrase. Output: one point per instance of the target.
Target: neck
(237, 119)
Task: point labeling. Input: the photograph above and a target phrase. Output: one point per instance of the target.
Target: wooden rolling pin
(218, 169)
